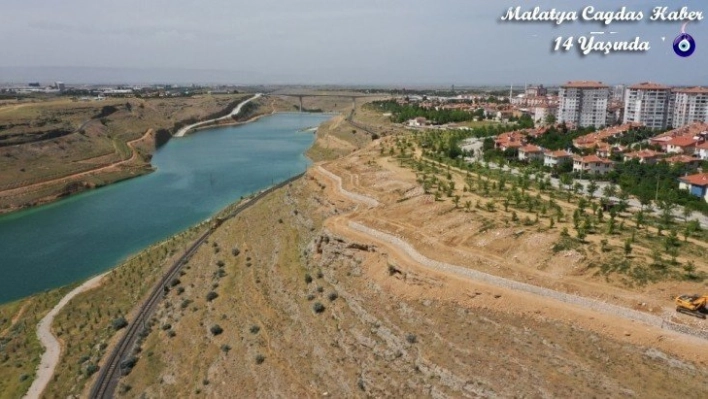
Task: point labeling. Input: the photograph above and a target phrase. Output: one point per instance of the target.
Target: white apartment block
(583, 104)
(689, 106)
(648, 104)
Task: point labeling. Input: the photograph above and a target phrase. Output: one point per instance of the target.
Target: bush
(411, 338)
(308, 278)
(225, 348)
(185, 303)
(175, 281)
(333, 296)
(211, 296)
(254, 329)
(119, 323)
(318, 307)
(235, 252)
(91, 369)
(220, 263)
(216, 329)
(260, 359)
(127, 365)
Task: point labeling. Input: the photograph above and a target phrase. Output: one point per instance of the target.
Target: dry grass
(20, 349)
(84, 326)
(101, 141)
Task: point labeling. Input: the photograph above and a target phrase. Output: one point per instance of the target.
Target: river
(197, 175)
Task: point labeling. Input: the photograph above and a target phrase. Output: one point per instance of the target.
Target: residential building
(695, 184)
(555, 158)
(592, 164)
(583, 104)
(686, 160)
(689, 106)
(510, 141)
(644, 156)
(530, 153)
(682, 145)
(697, 131)
(648, 104)
(702, 151)
(594, 139)
(617, 93)
(541, 112)
(418, 122)
(536, 91)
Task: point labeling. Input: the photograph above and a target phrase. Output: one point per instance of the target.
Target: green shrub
(119, 323)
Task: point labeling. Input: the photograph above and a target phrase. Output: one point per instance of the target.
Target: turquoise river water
(196, 176)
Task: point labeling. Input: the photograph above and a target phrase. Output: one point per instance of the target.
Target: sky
(363, 42)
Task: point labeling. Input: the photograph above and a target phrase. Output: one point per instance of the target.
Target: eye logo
(684, 45)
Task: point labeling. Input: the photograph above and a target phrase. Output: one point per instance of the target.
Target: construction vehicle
(692, 305)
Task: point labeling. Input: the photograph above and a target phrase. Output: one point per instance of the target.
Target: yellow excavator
(692, 305)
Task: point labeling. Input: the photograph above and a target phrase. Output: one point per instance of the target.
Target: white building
(541, 112)
(583, 103)
(702, 151)
(530, 153)
(648, 103)
(592, 164)
(689, 106)
(555, 158)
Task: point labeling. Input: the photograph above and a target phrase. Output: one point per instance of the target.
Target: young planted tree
(592, 187)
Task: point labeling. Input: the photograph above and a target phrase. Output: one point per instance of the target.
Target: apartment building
(648, 104)
(689, 106)
(583, 103)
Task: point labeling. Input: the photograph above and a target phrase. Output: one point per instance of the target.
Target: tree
(623, 203)
(468, 205)
(456, 200)
(550, 119)
(667, 206)
(609, 191)
(640, 218)
(592, 187)
(627, 248)
(567, 180)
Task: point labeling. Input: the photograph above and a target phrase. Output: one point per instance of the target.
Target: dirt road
(131, 144)
(630, 316)
(52, 351)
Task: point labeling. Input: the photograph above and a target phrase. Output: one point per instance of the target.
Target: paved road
(233, 113)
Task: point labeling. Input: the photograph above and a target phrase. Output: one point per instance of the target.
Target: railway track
(110, 371)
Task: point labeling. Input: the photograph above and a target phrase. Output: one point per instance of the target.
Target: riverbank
(97, 153)
(146, 264)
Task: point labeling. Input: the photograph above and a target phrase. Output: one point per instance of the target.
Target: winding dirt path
(131, 144)
(575, 301)
(52, 346)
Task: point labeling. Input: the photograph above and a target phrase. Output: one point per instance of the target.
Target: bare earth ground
(49, 149)
(311, 305)
(388, 326)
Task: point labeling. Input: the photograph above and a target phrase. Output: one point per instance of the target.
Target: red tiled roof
(700, 179)
(643, 154)
(584, 84)
(683, 141)
(681, 159)
(649, 86)
(693, 90)
(559, 154)
(591, 159)
(530, 148)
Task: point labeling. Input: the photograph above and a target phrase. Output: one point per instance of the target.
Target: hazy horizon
(328, 42)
